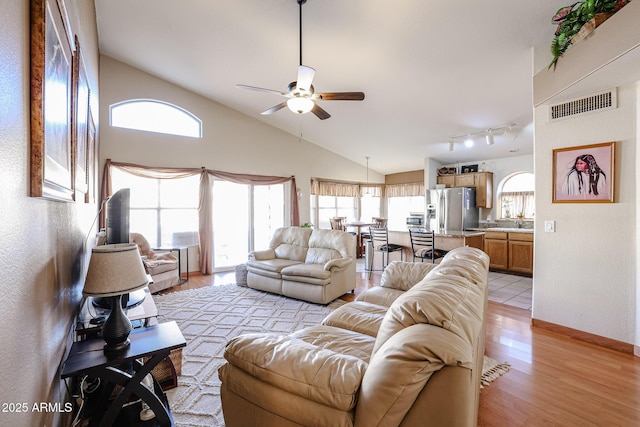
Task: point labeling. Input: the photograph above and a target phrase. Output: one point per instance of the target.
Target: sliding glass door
(244, 217)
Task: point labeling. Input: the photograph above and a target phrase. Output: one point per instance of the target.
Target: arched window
(155, 116)
(516, 196)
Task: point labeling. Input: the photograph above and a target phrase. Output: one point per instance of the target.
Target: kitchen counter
(447, 241)
(505, 229)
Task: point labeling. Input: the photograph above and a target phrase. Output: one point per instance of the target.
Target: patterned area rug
(209, 317)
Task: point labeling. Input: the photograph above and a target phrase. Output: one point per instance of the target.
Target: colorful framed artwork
(584, 174)
(51, 97)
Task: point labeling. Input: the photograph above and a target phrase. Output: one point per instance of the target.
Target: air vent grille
(597, 102)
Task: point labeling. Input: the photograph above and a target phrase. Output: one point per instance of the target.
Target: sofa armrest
(338, 263)
(263, 254)
(314, 373)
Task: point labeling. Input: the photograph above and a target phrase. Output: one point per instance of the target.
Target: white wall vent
(596, 102)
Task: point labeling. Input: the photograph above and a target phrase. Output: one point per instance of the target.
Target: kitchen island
(447, 241)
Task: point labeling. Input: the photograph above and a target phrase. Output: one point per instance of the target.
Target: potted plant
(571, 19)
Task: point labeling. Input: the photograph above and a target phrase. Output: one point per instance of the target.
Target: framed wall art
(51, 97)
(80, 129)
(584, 174)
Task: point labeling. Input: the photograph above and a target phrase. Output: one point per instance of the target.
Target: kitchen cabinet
(481, 181)
(521, 252)
(496, 245)
(510, 251)
(447, 180)
(465, 180)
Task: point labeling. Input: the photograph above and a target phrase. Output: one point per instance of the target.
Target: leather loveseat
(406, 353)
(312, 265)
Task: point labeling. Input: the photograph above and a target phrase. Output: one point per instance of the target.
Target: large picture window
(164, 211)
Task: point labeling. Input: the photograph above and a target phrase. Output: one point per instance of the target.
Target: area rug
(211, 316)
(492, 370)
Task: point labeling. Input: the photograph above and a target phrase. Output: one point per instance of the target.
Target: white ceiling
(430, 69)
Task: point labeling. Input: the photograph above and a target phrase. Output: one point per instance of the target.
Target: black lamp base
(116, 329)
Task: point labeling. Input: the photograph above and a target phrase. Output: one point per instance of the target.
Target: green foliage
(570, 20)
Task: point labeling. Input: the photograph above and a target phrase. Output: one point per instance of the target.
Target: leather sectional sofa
(312, 265)
(406, 353)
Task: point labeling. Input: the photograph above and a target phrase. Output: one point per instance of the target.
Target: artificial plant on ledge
(571, 19)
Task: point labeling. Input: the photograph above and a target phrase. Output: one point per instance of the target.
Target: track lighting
(488, 134)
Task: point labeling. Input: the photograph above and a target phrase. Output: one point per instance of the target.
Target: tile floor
(504, 288)
(510, 290)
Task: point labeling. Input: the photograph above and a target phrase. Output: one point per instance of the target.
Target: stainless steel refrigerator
(452, 209)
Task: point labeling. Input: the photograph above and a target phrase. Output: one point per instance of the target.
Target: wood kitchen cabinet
(521, 252)
(447, 180)
(481, 181)
(465, 180)
(496, 245)
(510, 252)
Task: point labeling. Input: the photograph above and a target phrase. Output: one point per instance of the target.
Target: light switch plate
(549, 226)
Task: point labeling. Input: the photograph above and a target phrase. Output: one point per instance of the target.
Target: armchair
(161, 266)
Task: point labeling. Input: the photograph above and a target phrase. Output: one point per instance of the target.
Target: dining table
(359, 225)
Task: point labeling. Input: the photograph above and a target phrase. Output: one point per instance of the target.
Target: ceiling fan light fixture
(300, 105)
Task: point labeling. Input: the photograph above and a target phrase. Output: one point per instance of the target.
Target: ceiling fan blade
(261, 89)
(274, 108)
(319, 112)
(339, 96)
(305, 77)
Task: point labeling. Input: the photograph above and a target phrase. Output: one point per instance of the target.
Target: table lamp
(115, 270)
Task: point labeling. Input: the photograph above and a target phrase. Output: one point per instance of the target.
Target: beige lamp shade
(114, 270)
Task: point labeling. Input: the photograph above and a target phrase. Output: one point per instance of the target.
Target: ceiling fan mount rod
(300, 2)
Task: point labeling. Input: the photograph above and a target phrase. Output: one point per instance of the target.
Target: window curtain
(404, 190)
(205, 212)
(513, 203)
(344, 189)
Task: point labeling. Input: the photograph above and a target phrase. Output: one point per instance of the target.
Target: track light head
(489, 136)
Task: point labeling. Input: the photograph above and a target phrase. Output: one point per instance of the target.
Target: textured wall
(585, 272)
(231, 142)
(41, 242)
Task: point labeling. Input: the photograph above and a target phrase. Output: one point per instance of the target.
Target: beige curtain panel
(404, 190)
(205, 208)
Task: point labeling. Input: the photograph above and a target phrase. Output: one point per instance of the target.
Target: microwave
(415, 221)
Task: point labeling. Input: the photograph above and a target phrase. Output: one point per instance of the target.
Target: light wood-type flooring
(554, 380)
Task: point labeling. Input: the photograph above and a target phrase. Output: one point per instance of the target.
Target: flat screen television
(118, 207)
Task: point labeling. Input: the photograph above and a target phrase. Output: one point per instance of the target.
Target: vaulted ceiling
(430, 69)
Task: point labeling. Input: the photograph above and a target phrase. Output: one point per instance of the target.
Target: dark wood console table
(154, 343)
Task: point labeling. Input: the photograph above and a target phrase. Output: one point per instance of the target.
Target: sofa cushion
(291, 242)
(401, 368)
(274, 265)
(338, 243)
(451, 297)
(403, 275)
(288, 363)
(380, 296)
(337, 339)
(315, 271)
(358, 316)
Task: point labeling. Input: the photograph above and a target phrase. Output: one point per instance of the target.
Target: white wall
(232, 141)
(500, 168)
(42, 253)
(585, 273)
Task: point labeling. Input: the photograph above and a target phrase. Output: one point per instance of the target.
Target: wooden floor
(554, 380)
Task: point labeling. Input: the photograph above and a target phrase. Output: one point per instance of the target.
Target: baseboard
(636, 351)
(587, 337)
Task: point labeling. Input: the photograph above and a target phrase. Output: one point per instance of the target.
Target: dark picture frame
(584, 174)
(51, 99)
(80, 124)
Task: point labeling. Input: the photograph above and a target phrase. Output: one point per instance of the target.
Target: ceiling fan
(301, 93)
